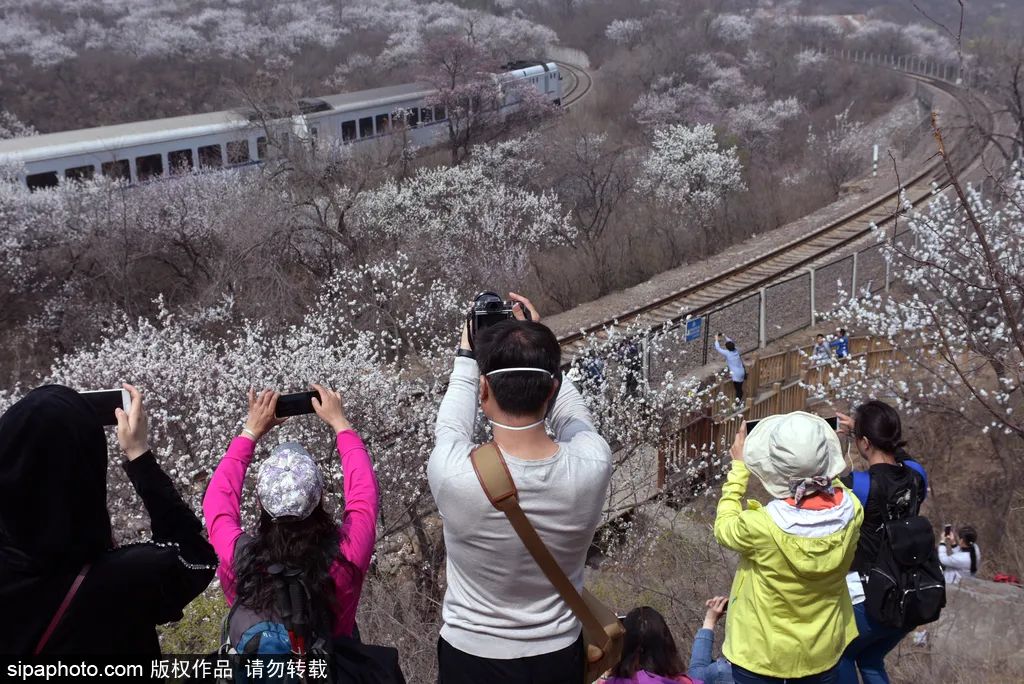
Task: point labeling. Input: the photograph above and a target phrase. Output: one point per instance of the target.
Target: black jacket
(53, 520)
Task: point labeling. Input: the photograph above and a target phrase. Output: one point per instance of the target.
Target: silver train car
(159, 148)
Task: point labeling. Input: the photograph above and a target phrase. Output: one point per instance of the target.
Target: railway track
(702, 297)
(581, 84)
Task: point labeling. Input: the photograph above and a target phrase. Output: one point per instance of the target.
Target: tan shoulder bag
(602, 631)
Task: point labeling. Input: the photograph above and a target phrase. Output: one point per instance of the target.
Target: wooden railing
(777, 383)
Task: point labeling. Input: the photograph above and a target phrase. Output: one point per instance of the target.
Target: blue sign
(694, 329)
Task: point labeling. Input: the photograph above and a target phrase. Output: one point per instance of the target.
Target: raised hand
(132, 427)
(522, 302)
(330, 408)
(716, 608)
(846, 424)
(737, 443)
(262, 408)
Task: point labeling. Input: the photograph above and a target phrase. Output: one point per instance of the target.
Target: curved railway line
(581, 84)
(669, 311)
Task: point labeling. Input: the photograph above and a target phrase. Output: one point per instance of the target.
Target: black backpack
(905, 586)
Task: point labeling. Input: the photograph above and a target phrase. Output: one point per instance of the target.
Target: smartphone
(298, 404)
(947, 530)
(105, 402)
(833, 422)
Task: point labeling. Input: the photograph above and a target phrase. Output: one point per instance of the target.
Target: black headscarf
(53, 483)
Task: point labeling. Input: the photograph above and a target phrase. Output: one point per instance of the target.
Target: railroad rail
(674, 309)
(582, 82)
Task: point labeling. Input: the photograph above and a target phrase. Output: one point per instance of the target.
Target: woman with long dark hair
(296, 542)
(894, 487)
(959, 554)
(649, 653)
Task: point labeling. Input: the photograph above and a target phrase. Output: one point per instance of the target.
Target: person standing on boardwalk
(733, 360)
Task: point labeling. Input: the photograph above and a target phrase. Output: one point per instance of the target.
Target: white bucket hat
(794, 445)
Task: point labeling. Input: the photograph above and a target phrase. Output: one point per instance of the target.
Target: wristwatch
(467, 353)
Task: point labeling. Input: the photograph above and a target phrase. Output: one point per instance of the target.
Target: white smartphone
(105, 402)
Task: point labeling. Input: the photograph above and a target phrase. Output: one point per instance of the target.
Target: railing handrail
(780, 399)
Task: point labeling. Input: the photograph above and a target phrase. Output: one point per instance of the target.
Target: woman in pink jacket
(295, 538)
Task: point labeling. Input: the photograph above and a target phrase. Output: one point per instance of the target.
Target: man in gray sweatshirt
(503, 620)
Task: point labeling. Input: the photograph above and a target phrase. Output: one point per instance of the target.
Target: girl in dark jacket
(894, 485)
(56, 539)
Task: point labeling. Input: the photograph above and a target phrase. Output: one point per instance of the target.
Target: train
(142, 151)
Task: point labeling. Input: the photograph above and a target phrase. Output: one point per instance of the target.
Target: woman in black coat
(55, 533)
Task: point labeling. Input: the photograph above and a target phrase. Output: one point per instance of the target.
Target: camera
(489, 308)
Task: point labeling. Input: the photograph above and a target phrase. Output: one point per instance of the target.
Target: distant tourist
(893, 487)
(65, 586)
(959, 554)
(840, 344)
(631, 356)
(790, 615)
(591, 371)
(734, 362)
(821, 353)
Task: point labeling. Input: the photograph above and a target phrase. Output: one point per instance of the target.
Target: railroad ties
(806, 250)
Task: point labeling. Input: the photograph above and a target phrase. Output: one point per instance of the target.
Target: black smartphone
(105, 402)
(947, 530)
(298, 404)
(833, 422)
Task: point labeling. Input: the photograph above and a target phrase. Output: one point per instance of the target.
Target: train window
(149, 166)
(38, 181)
(366, 127)
(383, 123)
(116, 169)
(210, 157)
(439, 113)
(261, 147)
(412, 118)
(426, 115)
(179, 161)
(348, 130)
(238, 152)
(80, 173)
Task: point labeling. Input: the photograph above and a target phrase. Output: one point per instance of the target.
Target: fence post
(888, 274)
(661, 467)
(762, 327)
(707, 334)
(813, 309)
(853, 280)
(645, 350)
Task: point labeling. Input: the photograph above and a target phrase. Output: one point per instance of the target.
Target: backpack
(246, 634)
(904, 586)
(249, 635)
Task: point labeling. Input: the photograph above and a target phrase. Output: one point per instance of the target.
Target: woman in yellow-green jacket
(790, 615)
